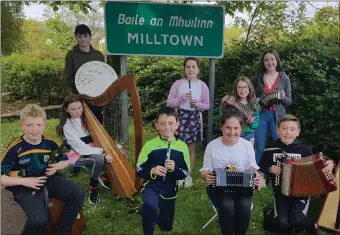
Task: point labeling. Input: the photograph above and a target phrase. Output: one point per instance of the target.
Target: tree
(76, 6)
(33, 37)
(269, 22)
(11, 26)
(59, 34)
(323, 24)
(94, 19)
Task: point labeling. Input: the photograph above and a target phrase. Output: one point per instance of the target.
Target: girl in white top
(231, 151)
(72, 128)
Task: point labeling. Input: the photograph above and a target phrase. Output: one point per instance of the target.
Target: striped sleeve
(9, 156)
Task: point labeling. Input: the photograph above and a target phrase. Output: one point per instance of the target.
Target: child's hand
(187, 96)
(159, 170)
(275, 170)
(283, 94)
(34, 182)
(193, 103)
(250, 120)
(170, 164)
(257, 180)
(329, 167)
(225, 98)
(53, 168)
(108, 158)
(209, 177)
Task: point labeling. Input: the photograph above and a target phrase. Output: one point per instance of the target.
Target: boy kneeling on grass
(289, 212)
(28, 155)
(162, 162)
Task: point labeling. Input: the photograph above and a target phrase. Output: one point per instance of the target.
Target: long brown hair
(251, 98)
(279, 68)
(65, 115)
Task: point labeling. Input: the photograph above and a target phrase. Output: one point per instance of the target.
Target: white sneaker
(180, 183)
(188, 182)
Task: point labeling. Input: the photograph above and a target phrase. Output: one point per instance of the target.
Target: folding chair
(212, 218)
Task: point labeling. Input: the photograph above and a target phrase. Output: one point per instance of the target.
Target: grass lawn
(118, 216)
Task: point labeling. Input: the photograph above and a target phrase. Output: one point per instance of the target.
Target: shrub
(27, 77)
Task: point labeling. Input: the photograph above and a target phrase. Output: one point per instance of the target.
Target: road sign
(161, 29)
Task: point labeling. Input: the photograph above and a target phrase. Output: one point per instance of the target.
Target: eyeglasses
(242, 87)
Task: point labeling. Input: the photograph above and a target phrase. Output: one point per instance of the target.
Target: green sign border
(202, 5)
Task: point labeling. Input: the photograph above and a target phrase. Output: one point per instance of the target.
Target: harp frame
(131, 182)
(330, 210)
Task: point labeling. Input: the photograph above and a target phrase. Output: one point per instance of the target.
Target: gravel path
(12, 217)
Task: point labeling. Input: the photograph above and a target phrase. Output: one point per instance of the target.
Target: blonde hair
(289, 117)
(32, 110)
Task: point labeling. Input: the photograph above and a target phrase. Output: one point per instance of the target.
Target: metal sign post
(124, 105)
(212, 94)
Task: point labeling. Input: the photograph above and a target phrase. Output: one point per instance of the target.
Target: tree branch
(313, 6)
(251, 23)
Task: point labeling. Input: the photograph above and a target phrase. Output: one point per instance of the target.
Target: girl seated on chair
(72, 127)
(230, 150)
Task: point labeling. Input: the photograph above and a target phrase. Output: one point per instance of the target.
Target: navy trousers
(164, 218)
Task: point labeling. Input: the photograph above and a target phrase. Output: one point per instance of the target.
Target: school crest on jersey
(46, 157)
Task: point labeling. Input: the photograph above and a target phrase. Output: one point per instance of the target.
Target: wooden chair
(56, 209)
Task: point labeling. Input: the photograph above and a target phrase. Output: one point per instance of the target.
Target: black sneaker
(267, 218)
(93, 195)
(75, 172)
(314, 231)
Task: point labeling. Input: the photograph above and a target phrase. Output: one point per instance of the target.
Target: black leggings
(234, 211)
(95, 161)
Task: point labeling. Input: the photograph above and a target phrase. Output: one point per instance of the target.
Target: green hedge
(29, 77)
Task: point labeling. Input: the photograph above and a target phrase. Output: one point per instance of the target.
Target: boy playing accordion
(289, 212)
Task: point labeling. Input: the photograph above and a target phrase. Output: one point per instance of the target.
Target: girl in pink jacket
(190, 96)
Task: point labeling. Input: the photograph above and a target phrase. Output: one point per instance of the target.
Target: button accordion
(233, 181)
(304, 177)
(240, 107)
(278, 159)
(270, 98)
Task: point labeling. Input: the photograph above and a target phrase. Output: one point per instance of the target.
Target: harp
(122, 176)
(329, 217)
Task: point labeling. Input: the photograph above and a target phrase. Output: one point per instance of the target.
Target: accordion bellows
(240, 107)
(270, 98)
(304, 177)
